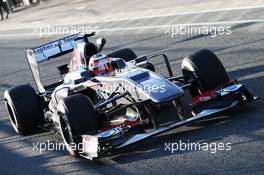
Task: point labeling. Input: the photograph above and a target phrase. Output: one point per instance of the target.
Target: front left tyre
(24, 108)
(205, 70)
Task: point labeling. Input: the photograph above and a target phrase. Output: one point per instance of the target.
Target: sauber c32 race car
(106, 102)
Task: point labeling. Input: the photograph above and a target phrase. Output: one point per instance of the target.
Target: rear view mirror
(100, 43)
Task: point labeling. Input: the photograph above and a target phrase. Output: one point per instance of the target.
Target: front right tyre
(77, 116)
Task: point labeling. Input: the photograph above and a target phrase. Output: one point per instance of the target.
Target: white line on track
(4, 118)
(198, 12)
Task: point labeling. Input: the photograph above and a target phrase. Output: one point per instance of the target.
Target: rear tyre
(206, 71)
(25, 109)
(127, 54)
(77, 116)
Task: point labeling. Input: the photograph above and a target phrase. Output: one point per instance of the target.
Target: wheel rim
(65, 131)
(67, 136)
(196, 85)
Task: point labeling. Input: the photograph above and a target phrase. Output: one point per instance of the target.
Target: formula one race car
(107, 102)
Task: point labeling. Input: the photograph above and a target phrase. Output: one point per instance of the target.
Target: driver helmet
(100, 64)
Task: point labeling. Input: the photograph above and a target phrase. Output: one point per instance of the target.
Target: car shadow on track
(155, 147)
(19, 163)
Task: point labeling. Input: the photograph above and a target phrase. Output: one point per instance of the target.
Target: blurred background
(16, 5)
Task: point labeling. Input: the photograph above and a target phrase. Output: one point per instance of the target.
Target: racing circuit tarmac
(242, 53)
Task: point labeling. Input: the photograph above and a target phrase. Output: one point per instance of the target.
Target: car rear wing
(51, 50)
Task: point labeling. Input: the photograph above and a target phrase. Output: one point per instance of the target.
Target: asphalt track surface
(242, 53)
